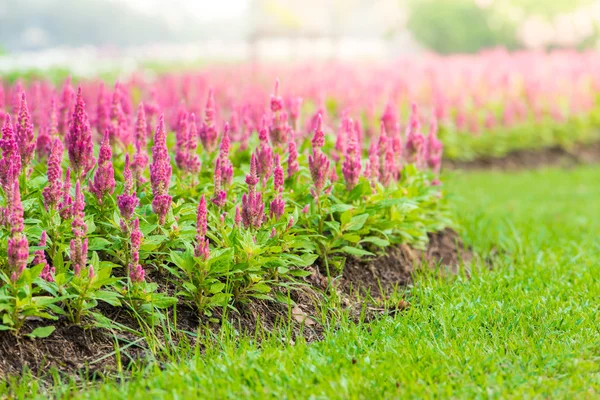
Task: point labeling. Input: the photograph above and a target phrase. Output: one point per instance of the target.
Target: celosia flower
(278, 129)
(160, 172)
(372, 170)
(24, 134)
(140, 158)
(10, 163)
(182, 141)
(238, 216)
(48, 272)
(46, 134)
(225, 163)
(351, 166)
(201, 250)
(53, 191)
(265, 153)
(66, 204)
(104, 178)
(292, 161)
(208, 133)
(294, 107)
(127, 201)
(102, 110)
(136, 271)
(219, 195)
(434, 148)
(415, 141)
(17, 252)
(318, 162)
(66, 107)
(389, 119)
(79, 243)
(253, 208)
(193, 161)
(79, 140)
(119, 127)
(278, 175)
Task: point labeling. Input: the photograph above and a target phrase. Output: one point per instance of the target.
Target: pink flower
(182, 141)
(389, 119)
(79, 140)
(10, 163)
(140, 158)
(160, 172)
(435, 148)
(66, 107)
(208, 133)
(48, 272)
(119, 127)
(220, 196)
(24, 135)
(351, 166)
(193, 161)
(201, 249)
(277, 207)
(294, 107)
(265, 153)
(415, 141)
(127, 201)
(318, 162)
(373, 166)
(79, 243)
(137, 273)
(103, 121)
(238, 216)
(253, 210)
(104, 178)
(66, 204)
(46, 135)
(276, 100)
(292, 161)
(53, 191)
(225, 164)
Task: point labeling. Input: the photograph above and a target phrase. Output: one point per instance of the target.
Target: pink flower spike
(292, 161)
(276, 100)
(201, 219)
(160, 172)
(79, 140)
(24, 133)
(52, 192)
(104, 178)
(140, 158)
(127, 201)
(351, 166)
(78, 245)
(278, 175)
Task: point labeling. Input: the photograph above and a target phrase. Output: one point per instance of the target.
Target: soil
(533, 158)
(91, 350)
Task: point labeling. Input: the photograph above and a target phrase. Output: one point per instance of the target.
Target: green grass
(529, 328)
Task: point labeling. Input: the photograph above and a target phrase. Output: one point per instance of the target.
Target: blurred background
(90, 36)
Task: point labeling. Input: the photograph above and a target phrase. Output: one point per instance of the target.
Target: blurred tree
(459, 26)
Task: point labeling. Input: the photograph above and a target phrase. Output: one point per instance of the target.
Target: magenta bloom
(253, 208)
(104, 178)
(79, 243)
(66, 203)
(127, 201)
(202, 218)
(373, 166)
(415, 141)
(102, 110)
(435, 148)
(119, 127)
(24, 135)
(46, 135)
(265, 153)
(351, 166)
(389, 119)
(278, 129)
(140, 158)
(66, 107)
(238, 216)
(278, 175)
(79, 140)
(277, 207)
(53, 191)
(182, 141)
(225, 163)
(220, 196)
(292, 161)
(202, 250)
(193, 161)
(318, 162)
(10, 163)
(160, 172)
(136, 271)
(208, 133)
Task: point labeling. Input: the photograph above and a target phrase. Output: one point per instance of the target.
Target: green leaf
(376, 241)
(109, 297)
(41, 332)
(216, 287)
(355, 251)
(357, 222)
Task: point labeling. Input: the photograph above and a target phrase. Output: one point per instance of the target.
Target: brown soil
(530, 159)
(92, 350)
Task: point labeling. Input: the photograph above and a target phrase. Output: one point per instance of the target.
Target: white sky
(204, 10)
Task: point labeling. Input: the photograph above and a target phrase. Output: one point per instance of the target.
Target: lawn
(529, 328)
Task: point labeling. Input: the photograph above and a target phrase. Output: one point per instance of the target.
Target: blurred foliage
(546, 8)
(459, 26)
